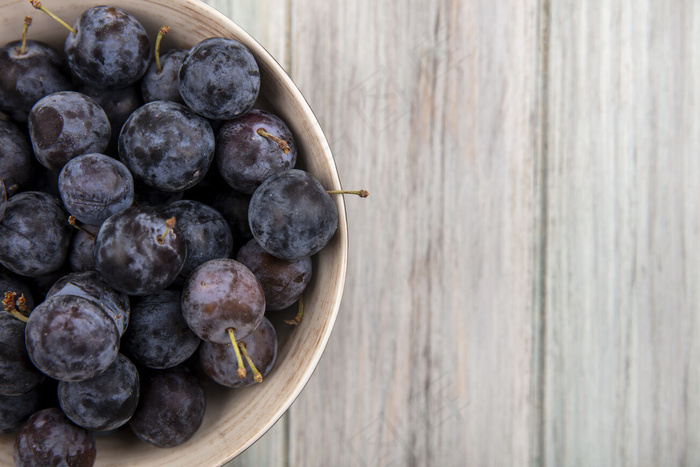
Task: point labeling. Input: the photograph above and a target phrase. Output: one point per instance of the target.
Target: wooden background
(523, 282)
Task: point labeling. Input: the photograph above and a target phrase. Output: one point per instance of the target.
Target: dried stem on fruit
(280, 142)
(10, 306)
(256, 374)
(300, 313)
(21, 303)
(241, 369)
(74, 222)
(360, 193)
(27, 23)
(169, 224)
(37, 4)
(163, 31)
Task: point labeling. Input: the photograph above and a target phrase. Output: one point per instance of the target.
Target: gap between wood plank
(539, 344)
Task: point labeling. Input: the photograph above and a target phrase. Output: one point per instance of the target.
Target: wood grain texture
(431, 107)
(623, 268)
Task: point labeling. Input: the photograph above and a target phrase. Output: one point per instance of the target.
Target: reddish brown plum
(222, 294)
(219, 361)
(253, 147)
(49, 438)
(282, 281)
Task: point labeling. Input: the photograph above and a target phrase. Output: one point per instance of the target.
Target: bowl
(235, 418)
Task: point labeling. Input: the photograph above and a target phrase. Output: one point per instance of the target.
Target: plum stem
(360, 193)
(74, 222)
(10, 306)
(241, 369)
(169, 224)
(27, 23)
(163, 31)
(37, 4)
(280, 142)
(300, 313)
(21, 303)
(256, 374)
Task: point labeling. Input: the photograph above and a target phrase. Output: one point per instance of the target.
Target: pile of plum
(127, 188)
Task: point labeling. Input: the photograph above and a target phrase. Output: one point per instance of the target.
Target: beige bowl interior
(234, 418)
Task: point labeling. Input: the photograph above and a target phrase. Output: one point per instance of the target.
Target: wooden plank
(268, 22)
(432, 108)
(623, 264)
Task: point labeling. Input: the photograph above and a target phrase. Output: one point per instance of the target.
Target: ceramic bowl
(235, 418)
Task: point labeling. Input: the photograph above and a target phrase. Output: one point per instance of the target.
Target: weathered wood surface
(622, 382)
(523, 280)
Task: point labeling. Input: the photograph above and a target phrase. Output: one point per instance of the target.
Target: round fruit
(219, 78)
(109, 49)
(71, 338)
(219, 295)
(292, 216)
(49, 438)
(34, 234)
(139, 251)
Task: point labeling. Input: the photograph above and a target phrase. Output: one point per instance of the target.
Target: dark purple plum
(118, 104)
(16, 169)
(94, 187)
(17, 373)
(139, 251)
(219, 78)
(104, 402)
(65, 125)
(48, 438)
(219, 361)
(207, 234)
(71, 338)
(34, 234)
(15, 410)
(89, 284)
(158, 336)
(29, 76)
(252, 147)
(110, 48)
(81, 251)
(171, 408)
(167, 145)
(282, 281)
(219, 295)
(291, 215)
(163, 85)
